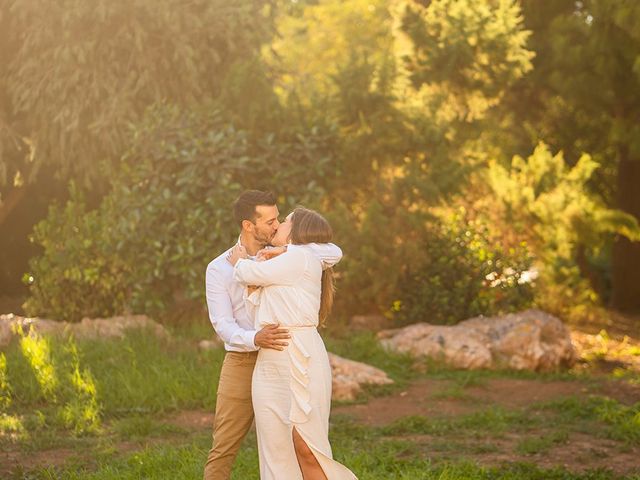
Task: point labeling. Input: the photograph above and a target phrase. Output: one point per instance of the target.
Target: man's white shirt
(225, 299)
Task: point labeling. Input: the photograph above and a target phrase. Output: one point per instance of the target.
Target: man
(257, 215)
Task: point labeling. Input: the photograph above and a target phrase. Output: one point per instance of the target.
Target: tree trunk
(626, 255)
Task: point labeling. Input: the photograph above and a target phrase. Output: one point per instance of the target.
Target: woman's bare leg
(311, 469)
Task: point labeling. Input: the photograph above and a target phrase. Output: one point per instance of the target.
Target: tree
(407, 94)
(550, 205)
(584, 96)
(75, 75)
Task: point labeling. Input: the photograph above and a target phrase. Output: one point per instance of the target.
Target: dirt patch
(428, 398)
(514, 393)
(418, 399)
(12, 461)
(191, 420)
(580, 452)
(415, 400)
(622, 391)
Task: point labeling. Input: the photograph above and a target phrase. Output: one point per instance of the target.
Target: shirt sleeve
(221, 313)
(328, 253)
(285, 269)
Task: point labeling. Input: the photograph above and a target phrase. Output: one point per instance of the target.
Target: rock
(5, 329)
(529, 340)
(210, 344)
(468, 350)
(349, 376)
(113, 327)
(369, 322)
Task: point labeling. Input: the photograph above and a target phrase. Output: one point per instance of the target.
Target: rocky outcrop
(369, 322)
(349, 377)
(114, 327)
(529, 340)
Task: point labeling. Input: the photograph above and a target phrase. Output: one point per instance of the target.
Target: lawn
(141, 407)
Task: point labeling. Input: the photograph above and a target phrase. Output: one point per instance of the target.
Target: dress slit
(314, 451)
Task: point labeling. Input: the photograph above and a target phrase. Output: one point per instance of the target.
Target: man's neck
(250, 244)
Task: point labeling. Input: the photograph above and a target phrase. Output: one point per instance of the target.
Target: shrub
(462, 273)
(168, 214)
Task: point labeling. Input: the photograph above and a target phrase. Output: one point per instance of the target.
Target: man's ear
(247, 225)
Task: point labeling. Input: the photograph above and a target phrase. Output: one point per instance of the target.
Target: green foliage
(544, 197)
(77, 273)
(584, 96)
(552, 206)
(5, 387)
(463, 272)
(466, 52)
(325, 41)
(76, 74)
(82, 411)
(374, 112)
(169, 213)
(344, 131)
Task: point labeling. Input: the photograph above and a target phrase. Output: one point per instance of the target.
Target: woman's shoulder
(304, 251)
(299, 249)
(294, 253)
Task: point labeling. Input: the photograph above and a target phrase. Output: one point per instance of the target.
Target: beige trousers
(234, 413)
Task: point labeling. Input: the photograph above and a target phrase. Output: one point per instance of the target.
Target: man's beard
(264, 239)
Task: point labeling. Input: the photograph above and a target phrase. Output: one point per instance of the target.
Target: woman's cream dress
(291, 388)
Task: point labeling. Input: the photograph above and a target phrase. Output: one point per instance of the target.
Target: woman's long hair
(309, 226)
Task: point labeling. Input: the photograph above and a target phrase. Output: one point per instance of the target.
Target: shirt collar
(251, 257)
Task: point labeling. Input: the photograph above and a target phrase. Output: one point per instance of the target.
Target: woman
(291, 388)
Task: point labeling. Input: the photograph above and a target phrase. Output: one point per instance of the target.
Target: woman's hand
(236, 254)
(269, 253)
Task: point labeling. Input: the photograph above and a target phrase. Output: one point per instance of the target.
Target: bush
(567, 225)
(462, 273)
(168, 214)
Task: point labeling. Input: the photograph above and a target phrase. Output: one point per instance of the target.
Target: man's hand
(272, 336)
(269, 253)
(236, 254)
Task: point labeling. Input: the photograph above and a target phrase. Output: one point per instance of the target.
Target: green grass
(143, 426)
(621, 422)
(534, 445)
(57, 391)
(491, 421)
(91, 396)
(364, 347)
(365, 450)
(139, 374)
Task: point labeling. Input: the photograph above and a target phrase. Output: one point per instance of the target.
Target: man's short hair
(244, 208)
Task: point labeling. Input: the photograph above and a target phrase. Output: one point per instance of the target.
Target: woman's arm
(285, 269)
(328, 253)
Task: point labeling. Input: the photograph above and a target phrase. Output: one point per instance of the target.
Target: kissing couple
(266, 297)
